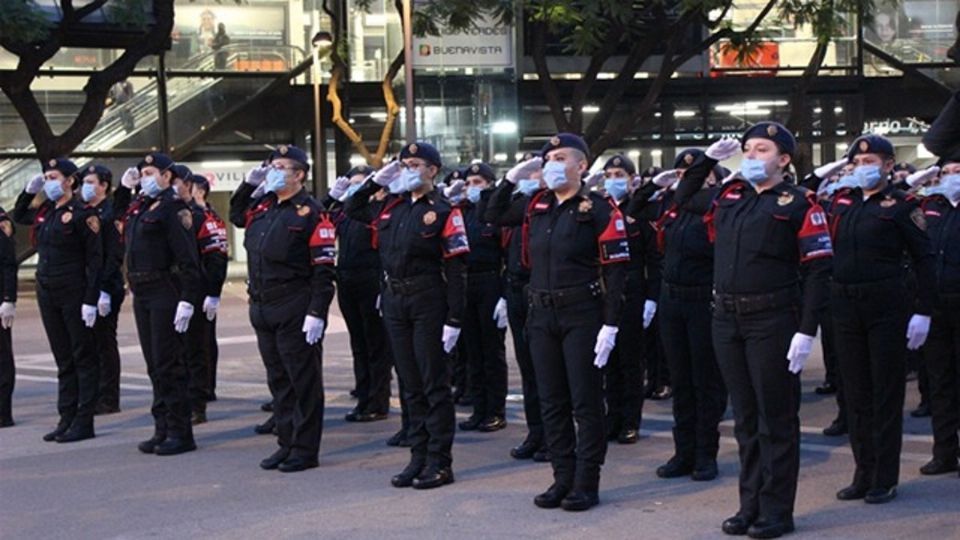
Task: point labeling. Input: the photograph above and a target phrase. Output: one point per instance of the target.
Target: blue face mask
(276, 180)
(950, 186)
(397, 187)
(616, 187)
(411, 180)
(473, 194)
(754, 170)
(149, 186)
(528, 187)
(53, 189)
(352, 189)
(868, 176)
(88, 192)
(555, 175)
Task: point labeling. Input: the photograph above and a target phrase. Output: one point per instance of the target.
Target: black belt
(692, 293)
(280, 291)
(143, 278)
(864, 290)
(412, 285)
(745, 304)
(518, 281)
(558, 298)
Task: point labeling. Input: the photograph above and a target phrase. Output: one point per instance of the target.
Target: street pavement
(105, 488)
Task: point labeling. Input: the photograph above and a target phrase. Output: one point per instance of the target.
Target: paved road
(104, 488)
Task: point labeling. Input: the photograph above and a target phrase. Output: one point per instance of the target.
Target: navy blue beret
(772, 131)
(64, 165)
(200, 181)
(181, 171)
(360, 169)
(103, 174)
(620, 161)
(650, 172)
(481, 169)
(870, 144)
(291, 152)
(686, 158)
(422, 150)
(566, 140)
(904, 166)
(156, 159)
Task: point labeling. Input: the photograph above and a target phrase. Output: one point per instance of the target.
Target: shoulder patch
(887, 202)
(186, 218)
(784, 199)
(6, 227)
(67, 217)
(430, 218)
(303, 211)
(585, 206)
(916, 215)
(93, 223)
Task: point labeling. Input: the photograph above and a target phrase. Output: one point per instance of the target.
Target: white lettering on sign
(486, 44)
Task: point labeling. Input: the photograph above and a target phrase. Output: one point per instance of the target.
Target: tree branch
(582, 89)
(88, 9)
(547, 84)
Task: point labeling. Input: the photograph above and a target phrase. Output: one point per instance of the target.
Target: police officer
(358, 280)
(8, 294)
(164, 277)
(576, 247)
(767, 233)
(485, 314)
(657, 373)
(453, 188)
(291, 250)
(941, 350)
(506, 207)
(422, 244)
(873, 226)
(70, 250)
(94, 191)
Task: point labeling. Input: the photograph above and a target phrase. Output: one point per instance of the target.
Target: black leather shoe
(922, 410)
(675, 468)
(939, 466)
(826, 389)
(61, 428)
(770, 528)
(628, 436)
(837, 428)
(357, 416)
(406, 476)
(433, 476)
(491, 424)
(150, 445)
(542, 456)
(297, 464)
(6, 421)
(706, 471)
(198, 417)
(399, 439)
(852, 493)
(266, 406)
(353, 393)
(552, 497)
(174, 446)
(737, 525)
(106, 408)
(275, 459)
(266, 428)
(471, 424)
(579, 500)
(663, 393)
(880, 495)
(526, 450)
(76, 433)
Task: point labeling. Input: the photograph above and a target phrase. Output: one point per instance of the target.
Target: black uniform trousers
(483, 344)
(751, 351)
(213, 355)
(658, 372)
(357, 292)
(571, 389)
(414, 323)
(8, 374)
(196, 358)
(294, 372)
(831, 360)
(942, 356)
(154, 307)
(699, 395)
(624, 371)
(74, 349)
(105, 335)
(517, 314)
(870, 324)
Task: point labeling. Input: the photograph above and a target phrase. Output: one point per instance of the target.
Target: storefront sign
(487, 44)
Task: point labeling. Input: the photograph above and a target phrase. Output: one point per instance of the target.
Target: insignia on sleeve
(67, 217)
(303, 211)
(430, 218)
(153, 206)
(93, 223)
(6, 227)
(585, 206)
(785, 198)
(186, 218)
(918, 219)
(887, 202)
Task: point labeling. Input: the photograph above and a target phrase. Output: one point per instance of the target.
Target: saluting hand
(387, 174)
(922, 177)
(723, 149)
(130, 178)
(35, 184)
(524, 169)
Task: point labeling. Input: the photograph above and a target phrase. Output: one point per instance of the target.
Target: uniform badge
(430, 218)
(303, 211)
(585, 206)
(52, 163)
(652, 171)
(67, 217)
(186, 218)
(413, 148)
(887, 202)
(688, 159)
(918, 219)
(283, 149)
(93, 223)
(92, 169)
(617, 162)
(148, 160)
(555, 140)
(475, 168)
(6, 227)
(785, 199)
(864, 146)
(772, 130)
(153, 206)
(631, 220)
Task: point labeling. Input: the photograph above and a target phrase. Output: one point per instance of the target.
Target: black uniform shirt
(211, 234)
(355, 241)
(111, 274)
(8, 259)
(943, 225)
(486, 251)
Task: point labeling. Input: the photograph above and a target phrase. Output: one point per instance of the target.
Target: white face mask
(555, 175)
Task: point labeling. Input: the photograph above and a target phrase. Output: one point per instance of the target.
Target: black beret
(64, 165)
(155, 159)
(480, 169)
(290, 151)
(870, 144)
(904, 166)
(720, 172)
(650, 172)
(620, 161)
(181, 171)
(424, 151)
(565, 140)
(200, 181)
(772, 131)
(360, 169)
(686, 158)
(528, 156)
(103, 174)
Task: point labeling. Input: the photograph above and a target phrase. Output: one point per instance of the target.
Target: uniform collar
(298, 199)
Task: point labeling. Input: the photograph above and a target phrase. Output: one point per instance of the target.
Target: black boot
(78, 431)
(61, 428)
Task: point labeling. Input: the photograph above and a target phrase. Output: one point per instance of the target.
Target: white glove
(799, 351)
(524, 169)
(7, 313)
(130, 178)
(917, 330)
(312, 327)
(729, 177)
(387, 174)
(922, 177)
(450, 336)
(210, 306)
(723, 149)
(34, 185)
(500, 313)
(257, 175)
(378, 306)
(103, 304)
(339, 188)
(606, 339)
(666, 178)
(594, 179)
(828, 170)
(181, 320)
(89, 315)
(649, 311)
(455, 189)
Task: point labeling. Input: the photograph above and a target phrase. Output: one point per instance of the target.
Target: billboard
(486, 44)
